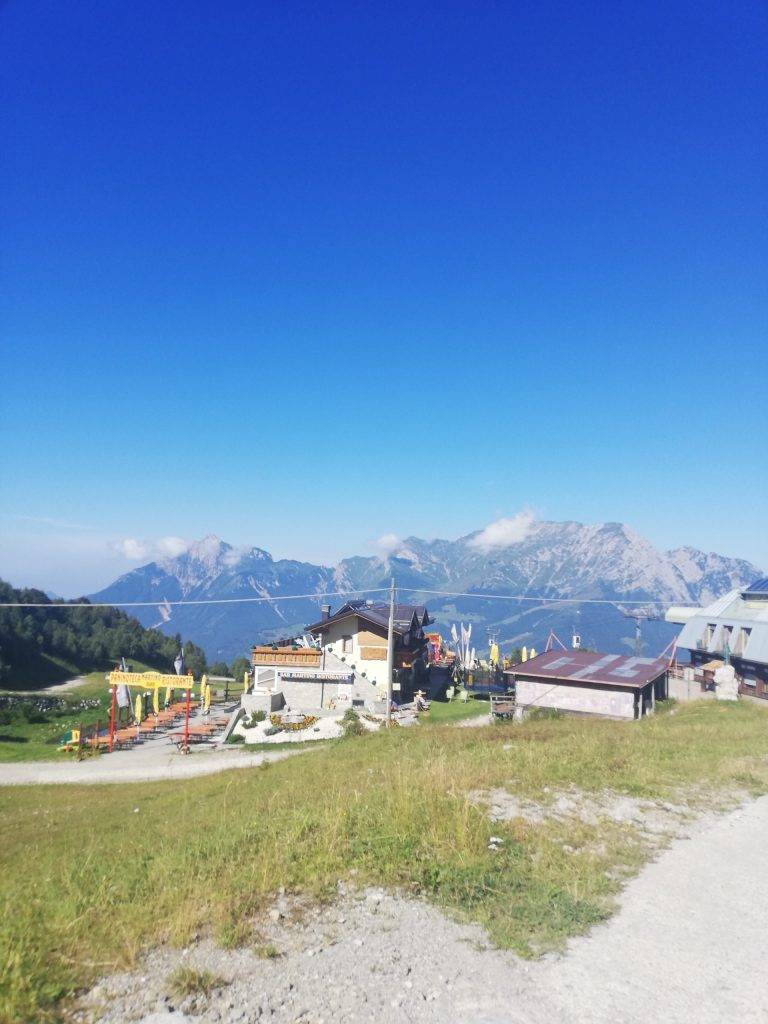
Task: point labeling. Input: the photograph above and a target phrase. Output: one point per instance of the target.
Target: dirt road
(53, 690)
(155, 760)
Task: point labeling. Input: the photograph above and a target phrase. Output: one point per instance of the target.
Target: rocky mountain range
(537, 560)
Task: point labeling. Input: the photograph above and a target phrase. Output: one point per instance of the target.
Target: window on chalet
(346, 645)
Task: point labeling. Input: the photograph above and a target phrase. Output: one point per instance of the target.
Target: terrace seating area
(169, 723)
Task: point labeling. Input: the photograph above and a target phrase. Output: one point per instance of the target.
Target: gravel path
(681, 949)
(53, 689)
(156, 760)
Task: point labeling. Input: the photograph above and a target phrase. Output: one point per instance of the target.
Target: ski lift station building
(733, 627)
(590, 683)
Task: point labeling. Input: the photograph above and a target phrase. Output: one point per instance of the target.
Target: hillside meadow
(94, 876)
(30, 734)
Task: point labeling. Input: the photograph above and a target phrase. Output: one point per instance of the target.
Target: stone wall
(267, 702)
(308, 695)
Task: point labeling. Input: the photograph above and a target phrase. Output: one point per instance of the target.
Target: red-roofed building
(590, 683)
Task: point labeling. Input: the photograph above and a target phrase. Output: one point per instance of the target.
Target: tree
(239, 667)
(194, 659)
(88, 638)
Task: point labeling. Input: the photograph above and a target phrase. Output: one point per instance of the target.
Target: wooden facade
(298, 657)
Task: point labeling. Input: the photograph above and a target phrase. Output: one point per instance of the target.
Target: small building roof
(757, 589)
(712, 666)
(407, 616)
(592, 667)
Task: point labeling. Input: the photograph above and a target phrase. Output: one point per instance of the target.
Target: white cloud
(504, 532)
(387, 543)
(132, 549)
(172, 546)
(146, 550)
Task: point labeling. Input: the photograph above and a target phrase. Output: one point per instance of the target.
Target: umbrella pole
(186, 724)
(112, 719)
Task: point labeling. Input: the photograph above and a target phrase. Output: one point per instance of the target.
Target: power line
(547, 600)
(479, 595)
(208, 600)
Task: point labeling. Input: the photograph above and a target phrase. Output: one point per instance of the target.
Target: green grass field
(22, 740)
(44, 670)
(92, 876)
(443, 712)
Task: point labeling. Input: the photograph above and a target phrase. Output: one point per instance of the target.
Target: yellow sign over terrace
(150, 680)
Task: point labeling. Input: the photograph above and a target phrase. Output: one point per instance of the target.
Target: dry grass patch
(186, 981)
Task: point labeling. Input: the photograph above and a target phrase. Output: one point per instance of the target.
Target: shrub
(352, 725)
(305, 723)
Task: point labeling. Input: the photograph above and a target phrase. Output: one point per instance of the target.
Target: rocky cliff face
(529, 559)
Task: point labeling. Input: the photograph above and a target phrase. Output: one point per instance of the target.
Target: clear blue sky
(306, 274)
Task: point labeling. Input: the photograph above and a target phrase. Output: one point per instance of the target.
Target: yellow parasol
(524, 654)
(533, 653)
(139, 708)
(246, 680)
(494, 654)
(156, 701)
(168, 696)
(206, 698)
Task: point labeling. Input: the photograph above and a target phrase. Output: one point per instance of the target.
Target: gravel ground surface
(664, 819)
(474, 723)
(156, 759)
(53, 689)
(325, 728)
(674, 953)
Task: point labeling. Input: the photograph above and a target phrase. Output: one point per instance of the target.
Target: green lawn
(92, 875)
(23, 740)
(444, 712)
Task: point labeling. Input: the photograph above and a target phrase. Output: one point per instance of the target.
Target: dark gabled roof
(758, 588)
(407, 616)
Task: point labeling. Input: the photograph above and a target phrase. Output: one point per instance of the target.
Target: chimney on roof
(325, 610)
